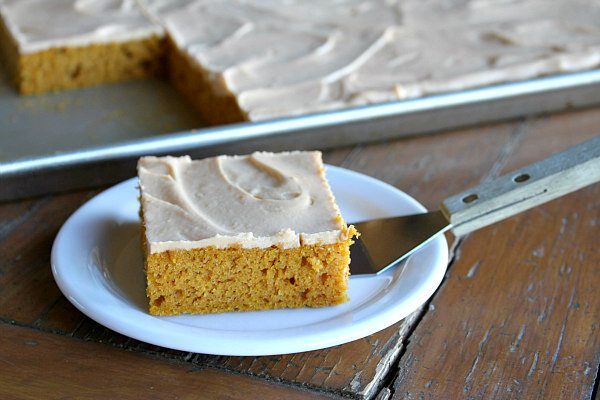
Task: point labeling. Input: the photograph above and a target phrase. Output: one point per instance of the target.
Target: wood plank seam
(387, 363)
(196, 360)
(282, 382)
(531, 361)
(8, 227)
(9, 321)
(128, 376)
(197, 363)
(191, 359)
(44, 314)
(516, 136)
(595, 391)
(387, 388)
(285, 382)
(552, 354)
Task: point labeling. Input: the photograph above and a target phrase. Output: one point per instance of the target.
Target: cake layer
(280, 58)
(195, 84)
(9, 53)
(254, 201)
(209, 280)
(74, 67)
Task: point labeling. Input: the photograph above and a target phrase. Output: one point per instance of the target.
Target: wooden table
(517, 316)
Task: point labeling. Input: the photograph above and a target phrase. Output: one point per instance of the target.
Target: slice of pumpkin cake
(232, 233)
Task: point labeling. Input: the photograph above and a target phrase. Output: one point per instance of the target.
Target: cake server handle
(524, 188)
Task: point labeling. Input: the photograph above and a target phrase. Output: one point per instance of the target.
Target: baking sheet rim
(206, 137)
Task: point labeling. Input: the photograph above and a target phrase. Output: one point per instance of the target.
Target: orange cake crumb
(72, 67)
(209, 280)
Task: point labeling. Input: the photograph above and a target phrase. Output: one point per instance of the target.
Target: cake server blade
(384, 243)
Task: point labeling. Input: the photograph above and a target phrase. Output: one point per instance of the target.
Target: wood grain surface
(519, 314)
(35, 365)
(516, 317)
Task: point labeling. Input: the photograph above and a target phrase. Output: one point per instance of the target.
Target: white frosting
(297, 56)
(259, 200)
(42, 24)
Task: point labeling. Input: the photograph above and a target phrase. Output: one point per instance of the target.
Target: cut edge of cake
(307, 276)
(80, 61)
(203, 89)
(84, 66)
(9, 50)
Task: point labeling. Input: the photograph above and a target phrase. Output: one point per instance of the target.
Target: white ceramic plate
(97, 263)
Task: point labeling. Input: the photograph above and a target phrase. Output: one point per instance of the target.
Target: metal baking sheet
(91, 137)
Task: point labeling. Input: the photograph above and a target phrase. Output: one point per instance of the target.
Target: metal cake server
(384, 243)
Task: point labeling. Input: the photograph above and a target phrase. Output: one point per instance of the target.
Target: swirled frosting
(290, 57)
(42, 24)
(258, 200)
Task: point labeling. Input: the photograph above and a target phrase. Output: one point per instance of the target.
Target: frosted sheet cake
(261, 59)
(252, 60)
(251, 232)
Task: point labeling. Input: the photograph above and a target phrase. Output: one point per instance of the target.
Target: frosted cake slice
(63, 44)
(251, 232)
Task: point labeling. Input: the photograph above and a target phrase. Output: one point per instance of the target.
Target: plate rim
(310, 342)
